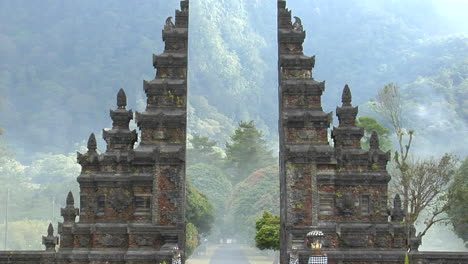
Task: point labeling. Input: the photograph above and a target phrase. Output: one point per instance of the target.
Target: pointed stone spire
(50, 230)
(69, 213)
(121, 99)
(92, 145)
(374, 141)
(50, 241)
(70, 200)
(397, 212)
(346, 96)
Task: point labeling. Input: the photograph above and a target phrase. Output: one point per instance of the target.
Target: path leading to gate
(230, 254)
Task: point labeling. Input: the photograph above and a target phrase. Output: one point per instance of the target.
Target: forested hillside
(62, 63)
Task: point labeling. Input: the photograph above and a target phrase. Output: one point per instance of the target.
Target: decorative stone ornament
(397, 212)
(50, 241)
(92, 145)
(346, 96)
(374, 141)
(119, 200)
(346, 204)
(69, 213)
(297, 26)
(121, 99)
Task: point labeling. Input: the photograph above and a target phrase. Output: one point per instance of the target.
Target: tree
(212, 182)
(458, 200)
(429, 189)
(191, 239)
(370, 124)
(257, 193)
(202, 151)
(247, 152)
(199, 210)
(267, 234)
(423, 183)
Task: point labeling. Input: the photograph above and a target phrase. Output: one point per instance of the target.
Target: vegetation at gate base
(199, 211)
(458, 199)
(257, 193)
(192, 241)
(267, 232)
(247, 152)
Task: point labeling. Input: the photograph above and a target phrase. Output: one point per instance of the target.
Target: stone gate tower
(340, 190)
(132, 200)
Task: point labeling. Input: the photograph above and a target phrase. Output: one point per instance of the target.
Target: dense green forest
(62, 63)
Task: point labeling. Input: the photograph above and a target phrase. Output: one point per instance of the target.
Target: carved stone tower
(132, 200)
(340, 190)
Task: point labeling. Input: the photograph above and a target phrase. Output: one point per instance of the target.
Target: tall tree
(247, 152)
(424, 184)
(458, 199)
(202, 150)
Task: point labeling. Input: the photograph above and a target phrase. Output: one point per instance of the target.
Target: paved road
(229, 254)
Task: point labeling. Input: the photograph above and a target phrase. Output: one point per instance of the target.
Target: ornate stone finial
(92, 145)
(50, 241)
(397, 212)
(346, 96)
(121, 99)
(184, 4)
(69, 213)
(374, 141)
(50, 230)
(169, 25)
(70, 200)
(297, 26)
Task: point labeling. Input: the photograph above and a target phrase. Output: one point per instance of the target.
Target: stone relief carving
(119, 200)
(144, 241)
(84, 241)
(346, 204)
(112, 241)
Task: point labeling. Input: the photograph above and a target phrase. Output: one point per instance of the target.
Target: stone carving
(381, 242)
(50, 241)
(92, 145)
(169, 24)
(346, 96)
(351, 242)
(297, 26)
(374, 141)
(398, 243)
(119, 200)
(84, 241)
(346, 204)
(397, 212)
(121, 99)
(112, 241)
(144, 241)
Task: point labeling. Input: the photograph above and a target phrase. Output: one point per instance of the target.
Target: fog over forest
(63, 62)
